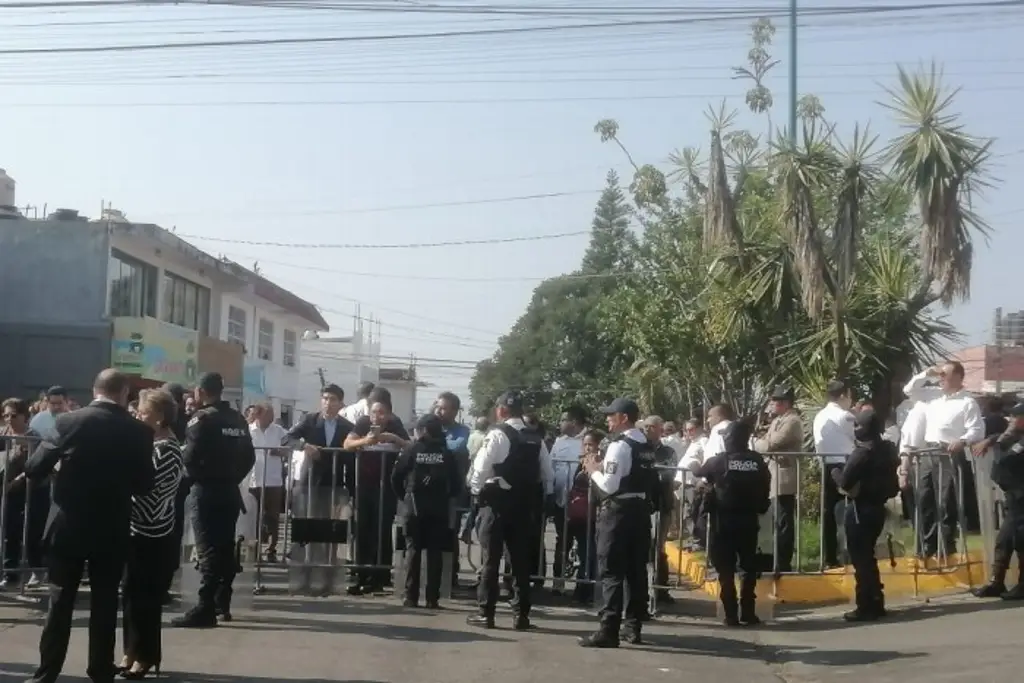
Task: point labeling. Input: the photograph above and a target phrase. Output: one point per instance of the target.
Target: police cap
(626, 406)
(783, 393)
(428, 422)
(175, 390)
(1017, 410)
(212, 383)
(512, 400)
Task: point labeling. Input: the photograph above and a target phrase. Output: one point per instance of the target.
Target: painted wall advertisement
(155, 350)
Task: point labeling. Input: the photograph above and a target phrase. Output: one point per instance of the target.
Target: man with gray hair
(665, 460)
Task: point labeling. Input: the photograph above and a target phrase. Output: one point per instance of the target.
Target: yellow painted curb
(908, 578)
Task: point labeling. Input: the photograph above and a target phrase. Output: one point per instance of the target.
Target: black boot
(197, 617)
(748, 613)
(602, 638)
(994, 588)
(1015, 593)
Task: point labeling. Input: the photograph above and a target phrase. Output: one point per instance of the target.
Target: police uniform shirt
(617, 463)
(429, 460)
(494, 451)
(218, 445)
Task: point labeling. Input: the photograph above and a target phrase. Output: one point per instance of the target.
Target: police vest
(428, 482)
(744, 488)
(643, 477)
(521, 469)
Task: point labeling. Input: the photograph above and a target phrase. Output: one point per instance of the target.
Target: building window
(237, 326)
(186, 304)
(132, 287)
(288, 357)
(266, 340)
(286, 416)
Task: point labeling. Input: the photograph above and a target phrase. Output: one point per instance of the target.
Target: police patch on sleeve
(194, 421)
(1017, 447)
(611, 467)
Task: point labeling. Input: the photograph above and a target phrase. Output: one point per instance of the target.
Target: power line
(482, 32)
(470, 101)
(411, 245)
(439, 278)
(407, 207)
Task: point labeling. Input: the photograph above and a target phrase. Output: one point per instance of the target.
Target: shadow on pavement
(13, 673)
(902, 615)
(422, 634)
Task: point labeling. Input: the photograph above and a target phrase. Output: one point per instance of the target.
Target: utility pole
(998, 330)
(792, 72)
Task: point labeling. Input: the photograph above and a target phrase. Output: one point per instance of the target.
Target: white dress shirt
(494, 451)
(692, 459)
(565, 458)
(833, 433)
(955, 417)
(678, 444)
(716, 442)
(617, 463)
(912, 431)
(355, 411)
(266, 470)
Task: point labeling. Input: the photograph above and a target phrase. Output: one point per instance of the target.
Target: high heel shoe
(141, 673)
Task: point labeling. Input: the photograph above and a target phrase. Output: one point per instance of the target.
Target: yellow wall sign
(155, 350)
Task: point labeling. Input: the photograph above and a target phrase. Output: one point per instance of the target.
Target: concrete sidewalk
(375, 640)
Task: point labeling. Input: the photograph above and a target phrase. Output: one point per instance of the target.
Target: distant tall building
(1009, 328)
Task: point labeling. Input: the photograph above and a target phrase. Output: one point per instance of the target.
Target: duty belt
(607, 502)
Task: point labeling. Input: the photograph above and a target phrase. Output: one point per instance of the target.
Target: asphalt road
(372, 639)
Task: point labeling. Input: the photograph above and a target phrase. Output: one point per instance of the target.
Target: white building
(345, 361)
(270, 323)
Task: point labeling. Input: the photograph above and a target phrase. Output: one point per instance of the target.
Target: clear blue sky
(407, 123)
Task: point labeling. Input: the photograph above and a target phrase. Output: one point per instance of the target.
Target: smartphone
(375, 429)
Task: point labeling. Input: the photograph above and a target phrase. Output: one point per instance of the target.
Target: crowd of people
(117, 482)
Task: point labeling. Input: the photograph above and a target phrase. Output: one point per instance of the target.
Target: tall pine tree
(556, 352)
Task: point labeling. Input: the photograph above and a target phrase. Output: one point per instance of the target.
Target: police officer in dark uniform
(503, 480)
(738, 493)
(625, 483)
(1008, 474)
(426, 480)
(218, 455)
(868, 480)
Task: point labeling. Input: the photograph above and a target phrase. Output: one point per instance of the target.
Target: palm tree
(822, 189)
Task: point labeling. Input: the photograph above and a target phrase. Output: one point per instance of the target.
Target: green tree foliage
(558, 352)
(799, 260)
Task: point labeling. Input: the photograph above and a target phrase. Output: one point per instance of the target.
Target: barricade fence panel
(330, 518)
(24, 507)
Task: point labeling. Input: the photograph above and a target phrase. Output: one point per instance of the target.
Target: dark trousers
(375, 514)
(659, 558)
(1010, 538)
(147, 579)
(499, 526)
(734, 551)
(863, 523)
(586, 552)
(20, 539)
(214, 516)
(106, 567)
(939, 512)
(563, 542)
(623, 546)
(538, 561)
(180, 503)
(785, 530)
(430, 536)
(829, 525)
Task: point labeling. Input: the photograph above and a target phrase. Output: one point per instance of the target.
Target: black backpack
(888, 464)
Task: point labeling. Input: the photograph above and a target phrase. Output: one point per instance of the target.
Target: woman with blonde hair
(153, 547)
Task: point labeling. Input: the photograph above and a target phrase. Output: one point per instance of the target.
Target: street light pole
(792, 72)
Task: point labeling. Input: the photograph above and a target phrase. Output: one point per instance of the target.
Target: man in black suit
(102, 457)
(322, 480)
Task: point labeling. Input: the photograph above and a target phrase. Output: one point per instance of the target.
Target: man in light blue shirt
(45, 423)
(565, 460)
(456, 435)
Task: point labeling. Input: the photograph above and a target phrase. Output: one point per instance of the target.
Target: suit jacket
(785, 435)
(312, 431)
(106, 457)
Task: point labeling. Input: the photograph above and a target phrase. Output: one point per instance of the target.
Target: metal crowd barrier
(22, 517)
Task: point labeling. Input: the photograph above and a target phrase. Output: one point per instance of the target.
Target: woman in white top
(153, 546)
